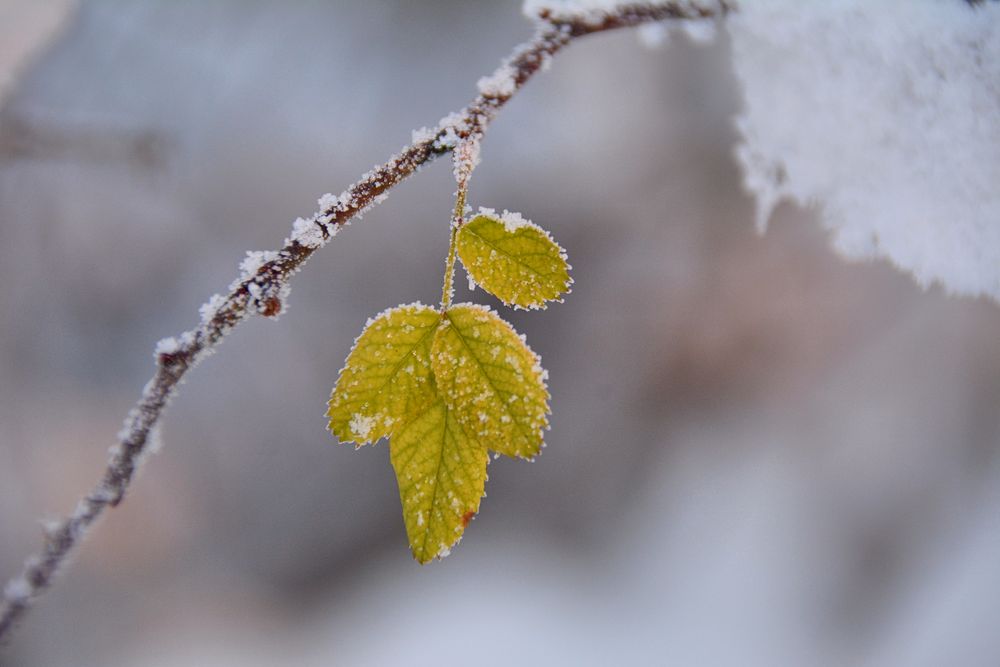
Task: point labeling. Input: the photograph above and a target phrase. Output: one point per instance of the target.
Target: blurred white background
(759, 455)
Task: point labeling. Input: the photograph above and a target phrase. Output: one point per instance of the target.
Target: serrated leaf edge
(524, 222)
(368, 322)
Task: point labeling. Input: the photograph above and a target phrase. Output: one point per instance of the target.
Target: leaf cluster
(448, 386)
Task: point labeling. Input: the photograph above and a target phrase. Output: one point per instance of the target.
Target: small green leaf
(387, 378)
(441, 473)
(492, 380)
(513, 259)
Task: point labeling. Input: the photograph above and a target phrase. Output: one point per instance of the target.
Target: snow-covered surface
(885, 116)
(465, 159)
(585, 10)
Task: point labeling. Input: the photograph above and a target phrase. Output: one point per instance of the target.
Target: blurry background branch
(263, 286)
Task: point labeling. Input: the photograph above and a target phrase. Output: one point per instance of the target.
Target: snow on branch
(885, 116)
(263, 285)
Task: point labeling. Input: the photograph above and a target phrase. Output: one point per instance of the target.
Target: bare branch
(263, 286)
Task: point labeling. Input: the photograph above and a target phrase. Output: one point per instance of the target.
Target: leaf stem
(457, 218)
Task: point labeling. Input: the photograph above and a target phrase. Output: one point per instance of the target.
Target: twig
(263, 286)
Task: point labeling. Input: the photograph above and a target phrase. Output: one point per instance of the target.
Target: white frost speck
(452, 126)
(328, 201)
(361, 425)
(208, 309)
(465, 158)
(169, 345)
(307, 232)
(512, 221)
(422, 135)
(589, 12)
(500, 84)
(254, 260)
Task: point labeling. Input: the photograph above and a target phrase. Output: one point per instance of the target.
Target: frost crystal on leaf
(513, 221)
(361, 426)
(513, 259)
(387, 377)
(888, 123)
(473, 383)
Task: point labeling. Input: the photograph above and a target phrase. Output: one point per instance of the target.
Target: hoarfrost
(208, 309)
(307, 232)
(512, 221)
(422, 135)
(589, 10)
(169, 345)
(500, 84)
(465, 158)
(891, 127)
(452, 125)
(254, 260)
(328, 201)
(361, 425)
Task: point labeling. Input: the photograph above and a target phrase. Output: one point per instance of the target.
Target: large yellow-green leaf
(387, 377)
(513, 259)
(441, 473)
(491, 379)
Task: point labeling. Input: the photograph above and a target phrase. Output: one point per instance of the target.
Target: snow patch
(888, 124)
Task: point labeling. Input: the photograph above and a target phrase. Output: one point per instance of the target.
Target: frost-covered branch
(262, 288)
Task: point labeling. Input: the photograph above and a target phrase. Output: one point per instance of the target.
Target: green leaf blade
(387, 377)
(513, 259)
(492, 381)
(442, 476)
